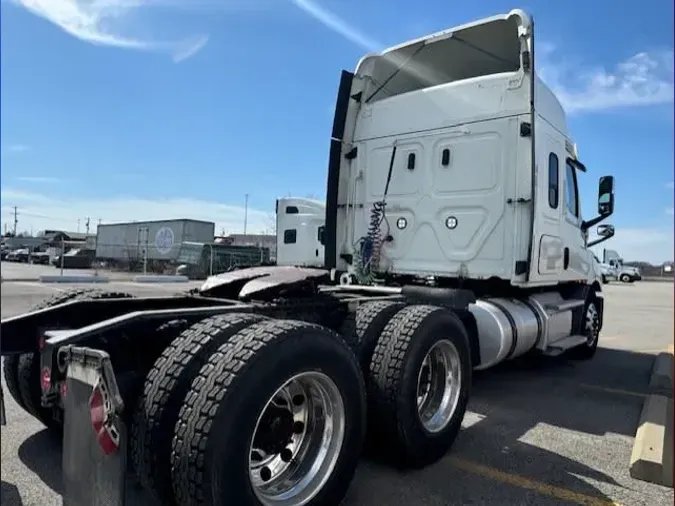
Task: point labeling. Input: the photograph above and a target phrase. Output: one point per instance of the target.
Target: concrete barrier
(73, 279)
(652, 457)
(160, 279)
(661, 381)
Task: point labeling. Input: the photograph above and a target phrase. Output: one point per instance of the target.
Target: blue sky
(144, 109)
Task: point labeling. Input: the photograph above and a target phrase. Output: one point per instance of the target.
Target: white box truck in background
(124, 244)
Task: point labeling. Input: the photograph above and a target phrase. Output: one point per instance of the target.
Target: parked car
(19, 255)
(40, 257)
(76, 259)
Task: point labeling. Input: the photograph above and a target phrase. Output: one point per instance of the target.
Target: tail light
(99, 410)
(46, 379)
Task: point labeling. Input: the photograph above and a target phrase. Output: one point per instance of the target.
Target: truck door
(547, 243)
(576, 264)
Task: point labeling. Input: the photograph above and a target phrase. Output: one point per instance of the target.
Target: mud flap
(94, 435)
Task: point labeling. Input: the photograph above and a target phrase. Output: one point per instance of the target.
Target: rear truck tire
(418, 386)
(591, 329)
(604, 280)
(30, 389)
(11, 364)
(362, 328)
(164, 391)
(23, 371)
(276, 392)
(10, 370)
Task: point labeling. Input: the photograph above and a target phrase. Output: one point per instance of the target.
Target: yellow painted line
(612, 390)
(528, 484)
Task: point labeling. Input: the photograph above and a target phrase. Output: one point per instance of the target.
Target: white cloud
(191, 48)
(669, 185)
(654, 245)
(14, 148)
(101, 22)
(39, 211)
(333, 22)
(644, 79)
(38, 179)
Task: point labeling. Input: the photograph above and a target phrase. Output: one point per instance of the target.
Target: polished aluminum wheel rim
(438, 386)
(297, 440)
(592, 324)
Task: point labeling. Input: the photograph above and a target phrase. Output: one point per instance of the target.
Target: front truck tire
(164, 391)
(418, 386)
(277, 416)
(22, 372)
(591, 329)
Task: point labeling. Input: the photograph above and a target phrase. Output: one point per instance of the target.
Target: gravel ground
(550, 434)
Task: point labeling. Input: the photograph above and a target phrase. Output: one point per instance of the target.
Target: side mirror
(606, 196)
(605, 231)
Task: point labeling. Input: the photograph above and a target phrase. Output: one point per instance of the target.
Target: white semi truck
(450, 165)
(621, 272)
(300, 227)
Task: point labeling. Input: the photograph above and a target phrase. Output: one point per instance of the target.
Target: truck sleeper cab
(444, 239)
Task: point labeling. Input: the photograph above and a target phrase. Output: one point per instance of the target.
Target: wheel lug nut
(265, 474)
(286, 455)
(298, 427)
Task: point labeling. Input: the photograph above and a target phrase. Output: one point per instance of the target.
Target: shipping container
(126, 242)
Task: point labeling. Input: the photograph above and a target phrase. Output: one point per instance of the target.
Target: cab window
(290, 236)
(553, 181)
(571, 190)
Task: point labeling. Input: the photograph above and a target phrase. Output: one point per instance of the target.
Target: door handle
(566, 258)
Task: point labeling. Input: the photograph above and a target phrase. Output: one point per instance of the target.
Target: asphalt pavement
(552, 433)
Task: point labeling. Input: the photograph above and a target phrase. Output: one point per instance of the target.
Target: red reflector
(64, 389)
(106, 435)
(46, 379)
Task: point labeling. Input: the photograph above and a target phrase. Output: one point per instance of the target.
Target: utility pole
(78, 225)
(245, 214)
(16, 220)
(86, 224)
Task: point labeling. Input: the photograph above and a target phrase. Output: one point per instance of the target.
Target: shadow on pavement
(41, 453)
(499, 456)
(9, 495)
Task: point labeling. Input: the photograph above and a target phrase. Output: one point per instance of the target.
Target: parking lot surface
(29, 272)
(551, 433)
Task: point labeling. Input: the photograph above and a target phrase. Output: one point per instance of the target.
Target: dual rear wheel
(244, 409)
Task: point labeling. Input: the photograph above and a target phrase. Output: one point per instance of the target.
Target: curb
(160, 279)
(652, 456)
(74, 279)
